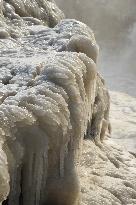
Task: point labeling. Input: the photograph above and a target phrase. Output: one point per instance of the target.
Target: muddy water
(114, 24)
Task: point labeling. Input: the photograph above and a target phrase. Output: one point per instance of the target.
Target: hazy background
(114, 25)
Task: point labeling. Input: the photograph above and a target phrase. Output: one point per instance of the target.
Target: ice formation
(107, 175)
(47, 97)
(51, 96)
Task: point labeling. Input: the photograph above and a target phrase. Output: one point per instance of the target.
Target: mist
(114, 25)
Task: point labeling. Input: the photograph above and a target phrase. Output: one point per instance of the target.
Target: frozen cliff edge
(51, 97)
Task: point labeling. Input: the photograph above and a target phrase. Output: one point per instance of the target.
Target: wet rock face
(49, 87)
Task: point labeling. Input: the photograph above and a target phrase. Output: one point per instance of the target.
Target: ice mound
(47, 92)
(45, 107)
(51, 97)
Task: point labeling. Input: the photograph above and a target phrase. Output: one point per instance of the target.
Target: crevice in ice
(6, 81)
(13, 73)
(5, 202)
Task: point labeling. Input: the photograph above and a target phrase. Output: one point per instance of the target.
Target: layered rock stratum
(51, 98)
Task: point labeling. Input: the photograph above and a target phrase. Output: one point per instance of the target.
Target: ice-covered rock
(51, 96)
(47, 89)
